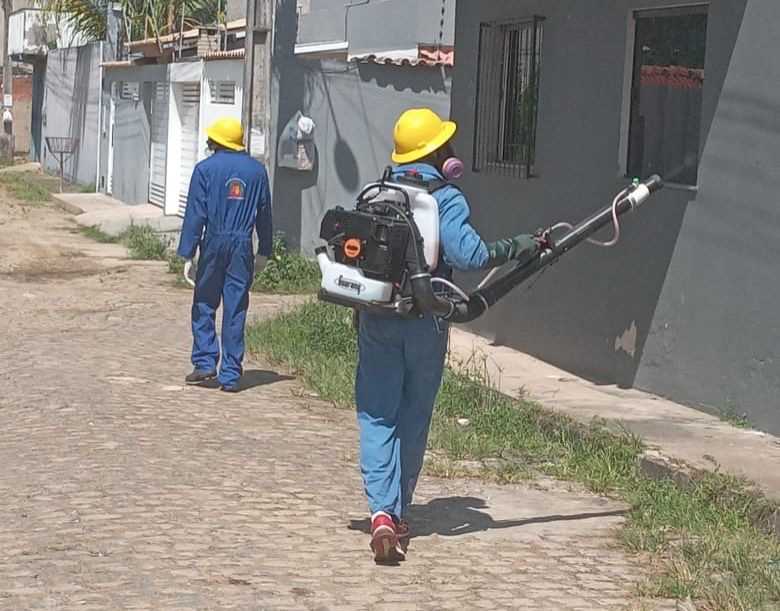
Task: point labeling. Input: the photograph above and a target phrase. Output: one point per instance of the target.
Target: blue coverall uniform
(400, 368)
(229, 198)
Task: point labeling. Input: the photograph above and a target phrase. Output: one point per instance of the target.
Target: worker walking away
(229, 199)
(401, 361)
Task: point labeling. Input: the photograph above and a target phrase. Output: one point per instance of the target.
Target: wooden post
(257, 77)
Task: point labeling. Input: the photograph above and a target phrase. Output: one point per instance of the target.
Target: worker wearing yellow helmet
(229, 199)
(401, 361)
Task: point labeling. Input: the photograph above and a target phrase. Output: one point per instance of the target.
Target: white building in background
(158, 107)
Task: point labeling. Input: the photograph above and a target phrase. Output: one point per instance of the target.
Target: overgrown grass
(97, 234)
(144, 244)
(28, 187)
(287, 272)
(702, 537)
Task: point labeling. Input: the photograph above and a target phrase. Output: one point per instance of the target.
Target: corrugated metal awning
(424, 55)
(232, 54)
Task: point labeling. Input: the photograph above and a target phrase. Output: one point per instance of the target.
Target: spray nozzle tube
(490, 293)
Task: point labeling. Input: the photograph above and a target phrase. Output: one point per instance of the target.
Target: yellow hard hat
(418, 133)
(227, 132)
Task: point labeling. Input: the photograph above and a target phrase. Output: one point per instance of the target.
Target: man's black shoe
(198, 377)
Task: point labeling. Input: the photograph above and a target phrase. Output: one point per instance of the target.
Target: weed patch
(144, 244)
(28, 187)
(287, 272)
(97, 234)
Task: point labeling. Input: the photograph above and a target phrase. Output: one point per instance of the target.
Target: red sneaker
(384, 539)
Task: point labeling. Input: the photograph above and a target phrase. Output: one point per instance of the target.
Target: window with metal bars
(509, 66)
(223, 92)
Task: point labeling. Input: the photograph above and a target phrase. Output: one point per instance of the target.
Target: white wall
(203, 72)
(210, 110)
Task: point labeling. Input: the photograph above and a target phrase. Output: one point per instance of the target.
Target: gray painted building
(686, 306)
(353, 103)
(235, 9)
(71, 108)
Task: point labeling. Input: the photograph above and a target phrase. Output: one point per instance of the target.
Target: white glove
(189, 273)
(260, 263)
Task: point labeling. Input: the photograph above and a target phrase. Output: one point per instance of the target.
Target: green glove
(511, 249)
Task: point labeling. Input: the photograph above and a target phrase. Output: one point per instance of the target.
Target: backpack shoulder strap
(430, 184)
(437, 184)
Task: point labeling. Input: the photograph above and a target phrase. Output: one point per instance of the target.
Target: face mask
(453, 168)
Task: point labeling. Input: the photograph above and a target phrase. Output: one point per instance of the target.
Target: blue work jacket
(229, 197)
(462, 247)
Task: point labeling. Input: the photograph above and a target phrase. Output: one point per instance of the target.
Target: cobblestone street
(123, 489)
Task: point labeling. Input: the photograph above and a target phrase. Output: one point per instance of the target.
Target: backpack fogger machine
(381, 257)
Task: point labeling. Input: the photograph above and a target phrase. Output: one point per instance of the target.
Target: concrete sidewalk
(671, 431)
(112, 216)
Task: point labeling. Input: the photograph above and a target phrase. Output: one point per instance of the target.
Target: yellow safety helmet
(227, 132)
(418, 133)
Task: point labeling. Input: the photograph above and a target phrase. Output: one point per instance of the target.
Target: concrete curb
(681, 441)
(65, 205)
(656, 466)
(113, 217)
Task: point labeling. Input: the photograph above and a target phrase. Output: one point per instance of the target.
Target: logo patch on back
(236, 189)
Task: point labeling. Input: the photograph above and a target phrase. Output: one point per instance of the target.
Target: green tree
(143, 18)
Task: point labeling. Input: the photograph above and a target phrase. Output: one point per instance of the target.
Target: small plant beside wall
(287, 272)
(143, 243)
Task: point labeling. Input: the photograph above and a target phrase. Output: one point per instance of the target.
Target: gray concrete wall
(354, 107)
(71, 108)
(377, 26)
(235, 9)
(132, 147)
(686, 305)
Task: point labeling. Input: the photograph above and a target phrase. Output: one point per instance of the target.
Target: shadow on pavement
(455, 516)
(252, 379)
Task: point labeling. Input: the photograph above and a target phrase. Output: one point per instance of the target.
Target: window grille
(508, 97)
(223, 92)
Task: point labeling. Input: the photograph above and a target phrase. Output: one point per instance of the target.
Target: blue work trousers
(400, 369)
(225, 274)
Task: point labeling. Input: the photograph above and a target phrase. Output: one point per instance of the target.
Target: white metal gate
(159, 150)
(189, 109)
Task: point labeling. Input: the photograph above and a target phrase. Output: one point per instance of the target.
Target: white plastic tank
(425, 209)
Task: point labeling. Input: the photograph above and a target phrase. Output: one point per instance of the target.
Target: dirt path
(123, 489)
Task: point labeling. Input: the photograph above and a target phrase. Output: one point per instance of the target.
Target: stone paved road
(122, 489)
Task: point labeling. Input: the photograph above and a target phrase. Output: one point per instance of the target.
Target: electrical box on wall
(296, 147)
